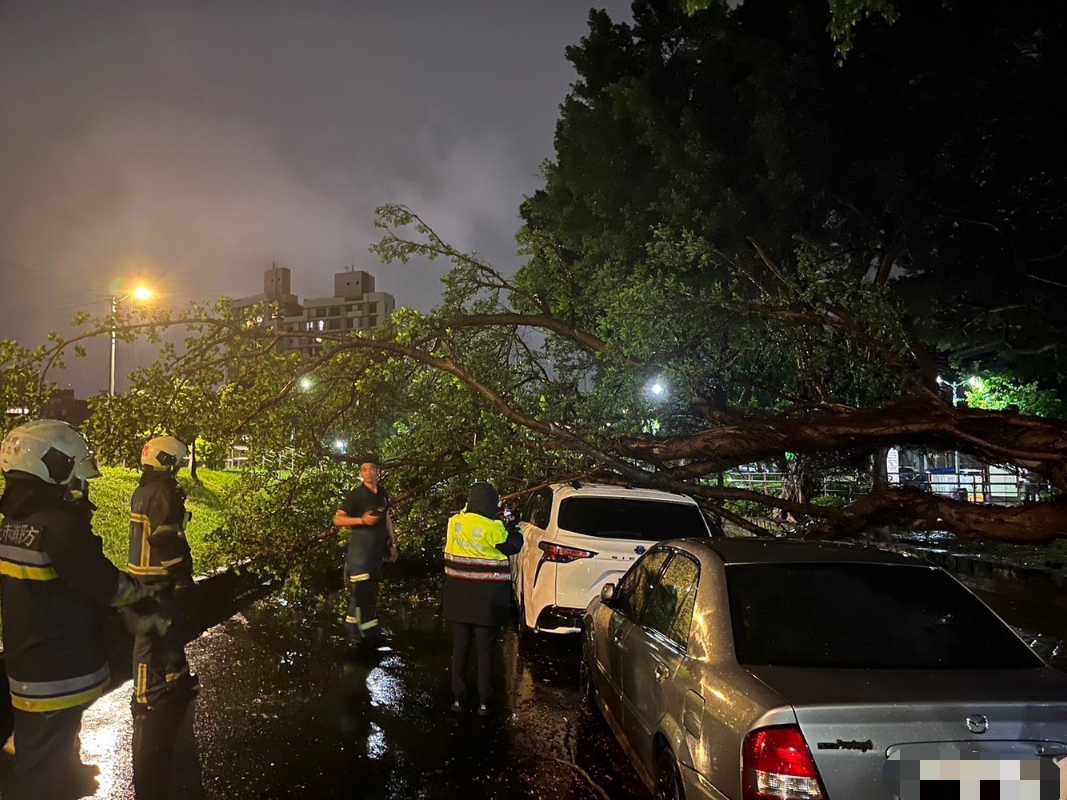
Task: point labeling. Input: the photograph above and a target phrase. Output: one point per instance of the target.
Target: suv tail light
(776, 764)
(563, 555)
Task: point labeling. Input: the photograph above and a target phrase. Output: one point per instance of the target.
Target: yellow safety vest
(470, 549)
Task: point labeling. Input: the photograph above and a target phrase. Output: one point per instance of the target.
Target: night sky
(195, 143)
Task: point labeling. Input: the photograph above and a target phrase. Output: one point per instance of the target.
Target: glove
(129, 591)
(145, 624)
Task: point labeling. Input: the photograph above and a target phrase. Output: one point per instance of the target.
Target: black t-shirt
(361, 500)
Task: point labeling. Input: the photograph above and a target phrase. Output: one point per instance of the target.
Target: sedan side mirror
(607, 593)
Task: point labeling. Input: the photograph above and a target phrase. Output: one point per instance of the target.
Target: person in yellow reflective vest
(477, 595)
(55, 584)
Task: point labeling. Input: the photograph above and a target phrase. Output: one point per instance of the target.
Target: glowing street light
(656, 389)
(340, 445)
(974, 382)
(140, 294)
(306, 383)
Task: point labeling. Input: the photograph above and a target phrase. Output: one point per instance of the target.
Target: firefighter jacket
(158, 547)
(54, 585)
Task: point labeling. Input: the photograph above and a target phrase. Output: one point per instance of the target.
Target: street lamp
(974, 382)
(306, 383)
(141, 294)
(657, 389)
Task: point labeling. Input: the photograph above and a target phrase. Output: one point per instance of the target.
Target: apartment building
(354, 305)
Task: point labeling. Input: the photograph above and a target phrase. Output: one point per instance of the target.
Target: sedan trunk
(863, 725)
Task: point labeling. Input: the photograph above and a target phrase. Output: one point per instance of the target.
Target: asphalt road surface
(285, 712)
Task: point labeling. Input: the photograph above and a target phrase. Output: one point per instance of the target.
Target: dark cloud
(198, 142)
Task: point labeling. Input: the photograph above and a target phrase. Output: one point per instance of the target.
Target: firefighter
(370, 543)
(159, 554)
(477, 596)
(55, 584)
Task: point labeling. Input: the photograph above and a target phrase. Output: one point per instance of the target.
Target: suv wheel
(668, 779)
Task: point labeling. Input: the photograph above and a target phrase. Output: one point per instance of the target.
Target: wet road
(285, 712)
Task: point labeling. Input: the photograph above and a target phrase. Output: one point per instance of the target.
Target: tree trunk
(991, 436)
(879, 470)
(193, 464)
(800, 482)
(914, 510)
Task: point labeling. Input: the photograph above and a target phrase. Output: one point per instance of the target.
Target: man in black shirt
(370, 543)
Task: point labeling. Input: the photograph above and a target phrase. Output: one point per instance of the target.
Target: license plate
(981, 779)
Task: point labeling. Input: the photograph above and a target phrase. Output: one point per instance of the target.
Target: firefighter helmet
(50, 450)
(163, 454)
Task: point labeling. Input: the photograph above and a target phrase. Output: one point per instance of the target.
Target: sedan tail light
(777, 765)
(563, 555)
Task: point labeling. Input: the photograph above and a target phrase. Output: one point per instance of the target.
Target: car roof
(562, 490)
(778, 551)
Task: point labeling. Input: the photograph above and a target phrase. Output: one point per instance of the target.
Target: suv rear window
(630, 518)
(865, 616)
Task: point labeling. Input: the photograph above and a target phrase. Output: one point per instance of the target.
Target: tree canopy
(790, 246)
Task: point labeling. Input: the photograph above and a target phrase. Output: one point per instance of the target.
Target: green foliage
(998, 392)
(20, 386)
(845, 16)
(688, 137)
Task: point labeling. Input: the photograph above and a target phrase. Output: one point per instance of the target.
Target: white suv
(577, 537)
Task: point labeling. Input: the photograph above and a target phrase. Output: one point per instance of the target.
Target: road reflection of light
(385, 688)
(106, 736)
(376, 746)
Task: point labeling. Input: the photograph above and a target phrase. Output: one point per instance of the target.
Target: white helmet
(50, 450)
(163, 454)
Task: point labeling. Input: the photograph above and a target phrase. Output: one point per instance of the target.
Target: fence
(995, 485)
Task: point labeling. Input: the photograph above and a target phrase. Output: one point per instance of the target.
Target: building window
(373, 320)
(333, 325)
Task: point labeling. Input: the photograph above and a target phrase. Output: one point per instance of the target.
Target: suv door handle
(661, 672)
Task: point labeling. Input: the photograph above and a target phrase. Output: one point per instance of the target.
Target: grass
(111, 493)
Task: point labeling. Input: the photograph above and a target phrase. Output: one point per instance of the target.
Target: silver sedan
(771, 670)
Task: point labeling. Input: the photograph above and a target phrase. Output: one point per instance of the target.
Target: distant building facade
(354, 305)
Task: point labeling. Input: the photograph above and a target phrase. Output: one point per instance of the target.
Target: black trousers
(47, 761)
(158, 660)
(483, 636)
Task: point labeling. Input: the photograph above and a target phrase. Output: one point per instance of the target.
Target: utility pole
(114, 337)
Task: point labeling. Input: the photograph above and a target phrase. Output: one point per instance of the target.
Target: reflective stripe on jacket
(470, 549)
(54, 585)
(44, 696)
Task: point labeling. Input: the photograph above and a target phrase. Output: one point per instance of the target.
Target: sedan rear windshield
(865, 616)
(629, 518)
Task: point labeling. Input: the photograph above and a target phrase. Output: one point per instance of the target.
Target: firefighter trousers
(159, 659)
(47, 758)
